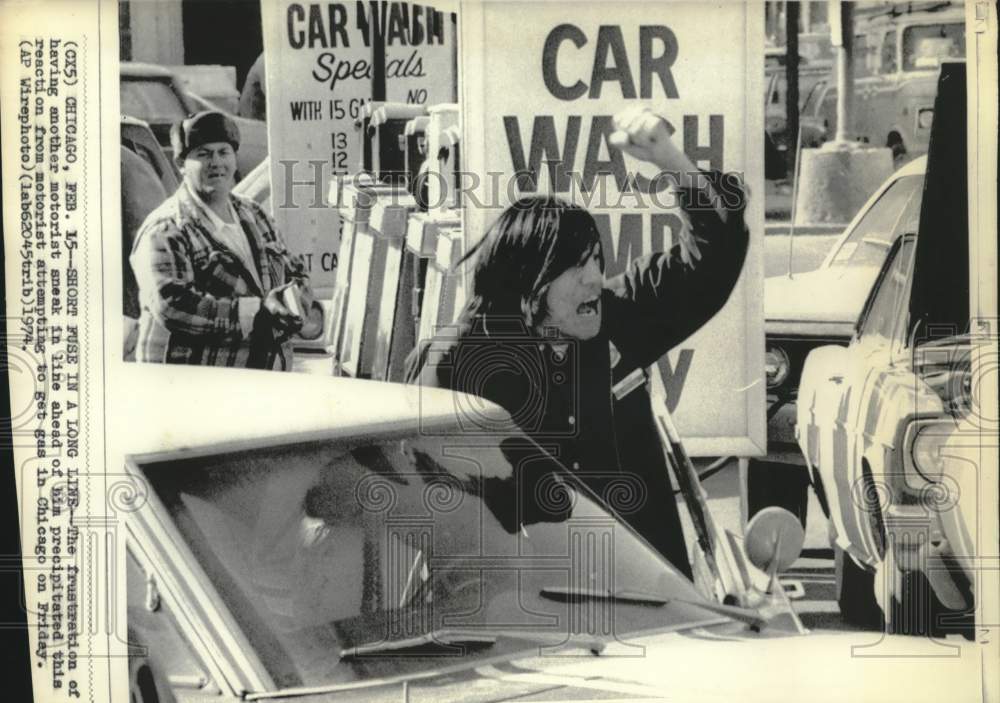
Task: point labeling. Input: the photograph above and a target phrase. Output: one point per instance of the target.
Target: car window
(808, 80)
(889, 64)
(927, 46)
(814, 98)
(142, 143)
(325, 546)
(780, 88)
(865, 56)
(887, 311)
(147, 155)
(896, 212)
(151, 100)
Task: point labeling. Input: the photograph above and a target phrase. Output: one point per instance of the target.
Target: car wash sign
(325, 61)
(541, 84)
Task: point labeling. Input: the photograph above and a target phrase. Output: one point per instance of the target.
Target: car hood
(687, 666)
(825, 301)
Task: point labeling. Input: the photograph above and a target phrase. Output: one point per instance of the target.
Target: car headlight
(776, 366)
(925, 117)
(925, 451)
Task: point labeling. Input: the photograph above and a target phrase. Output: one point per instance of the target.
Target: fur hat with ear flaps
(203, 128)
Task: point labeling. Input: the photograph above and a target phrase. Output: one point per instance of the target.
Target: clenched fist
(642, 133)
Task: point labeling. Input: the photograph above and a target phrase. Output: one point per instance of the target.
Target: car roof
(131, 69)
(128, 120)
(166, 408)
(917, 167)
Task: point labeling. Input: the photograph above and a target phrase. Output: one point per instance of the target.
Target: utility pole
(792, 83)
(845, 69)
(836, 179)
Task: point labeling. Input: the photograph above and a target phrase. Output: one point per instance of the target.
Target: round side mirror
(774, 539)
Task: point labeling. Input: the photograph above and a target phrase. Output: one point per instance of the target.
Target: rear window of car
(151, 100)
(895, 213)
(865, 55)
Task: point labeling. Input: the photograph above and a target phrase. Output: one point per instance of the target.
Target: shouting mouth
(589, 307)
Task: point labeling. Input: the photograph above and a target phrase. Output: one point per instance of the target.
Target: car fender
(894, 397)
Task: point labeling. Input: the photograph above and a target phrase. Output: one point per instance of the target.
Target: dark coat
(564, 400)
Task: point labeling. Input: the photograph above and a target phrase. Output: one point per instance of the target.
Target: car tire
(895, 143)
(915, 610)
(855, 588)
(782, 485)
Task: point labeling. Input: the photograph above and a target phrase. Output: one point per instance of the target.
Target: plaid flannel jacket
(191, 285)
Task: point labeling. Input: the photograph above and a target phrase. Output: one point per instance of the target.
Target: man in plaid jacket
(217, 285)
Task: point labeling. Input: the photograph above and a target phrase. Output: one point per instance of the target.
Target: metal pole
(791, 82)
(845, 73)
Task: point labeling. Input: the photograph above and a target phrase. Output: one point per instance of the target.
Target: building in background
(812, 19)
(188, 32)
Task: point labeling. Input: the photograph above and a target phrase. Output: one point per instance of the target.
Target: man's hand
(283, 320)
(312, 311)
(643, 134)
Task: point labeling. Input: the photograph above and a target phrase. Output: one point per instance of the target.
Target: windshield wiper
(746, 615)
(574, 594)
(433, 643)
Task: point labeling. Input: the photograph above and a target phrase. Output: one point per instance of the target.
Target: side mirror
(773, 540)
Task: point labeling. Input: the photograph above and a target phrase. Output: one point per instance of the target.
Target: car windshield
(929, 45)
(151, 100)
(896, 212)
(330, 547)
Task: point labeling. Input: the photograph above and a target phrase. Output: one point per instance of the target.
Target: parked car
(814, 47)
(898, 51)
(153, 94)
(775, 117)
(335, 541)
(949, 451)
(868, 413)
(138, 137)
(147, 178)
(806, 310)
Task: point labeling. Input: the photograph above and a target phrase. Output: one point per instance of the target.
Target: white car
(871, 416)
(809, 309)
(328, 539)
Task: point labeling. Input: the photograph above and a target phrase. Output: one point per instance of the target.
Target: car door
(840, 392)
(870, 377)
(164, 664)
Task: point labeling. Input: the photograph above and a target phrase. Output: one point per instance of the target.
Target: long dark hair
(534, 241)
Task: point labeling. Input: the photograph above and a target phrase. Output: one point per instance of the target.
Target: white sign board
(420, 66)
(321, 69)
(541, 82)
